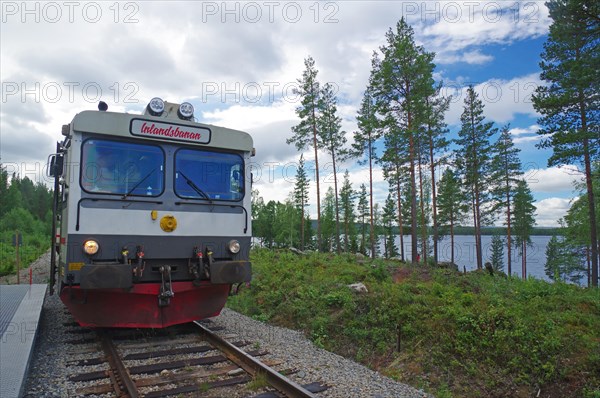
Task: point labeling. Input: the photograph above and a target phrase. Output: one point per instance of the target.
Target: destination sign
(169, 131)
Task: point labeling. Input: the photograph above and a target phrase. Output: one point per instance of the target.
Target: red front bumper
(138, 307)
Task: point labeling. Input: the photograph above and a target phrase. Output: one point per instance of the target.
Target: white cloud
(550, 210)
(525, 135)
(502, 99)
(463, 26)
(552, 179)
(474, 57)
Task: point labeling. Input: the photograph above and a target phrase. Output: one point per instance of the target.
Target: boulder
(297, 251)
(359, 287)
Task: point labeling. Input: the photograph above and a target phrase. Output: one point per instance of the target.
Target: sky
(238, 63)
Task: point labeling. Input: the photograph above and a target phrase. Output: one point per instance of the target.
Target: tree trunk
(422, 205)
(452, 239)
(478, 232)
(524, 259)
(590, 192)
(371, 195)
(400, 223)
(508, 219)
(302, 222)
(434, 203)
(337, 209)
(318, 181)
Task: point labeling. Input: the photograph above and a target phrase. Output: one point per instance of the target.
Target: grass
(34, 245)
(448, 333)
(258, 381)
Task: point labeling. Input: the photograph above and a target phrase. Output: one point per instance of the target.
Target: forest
(401, 128)
(26, 208)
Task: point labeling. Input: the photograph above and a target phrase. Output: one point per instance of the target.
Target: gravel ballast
(49, 372)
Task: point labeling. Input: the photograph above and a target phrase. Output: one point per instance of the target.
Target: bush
(468, 335)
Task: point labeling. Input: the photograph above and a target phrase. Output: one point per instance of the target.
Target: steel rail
(251, 365)
(120, 377)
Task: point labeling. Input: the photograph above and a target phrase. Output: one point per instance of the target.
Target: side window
(201, 174)
(122, 168)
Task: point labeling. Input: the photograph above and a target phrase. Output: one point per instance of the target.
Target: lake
(464, 254)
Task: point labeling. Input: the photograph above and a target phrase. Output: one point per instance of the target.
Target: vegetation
(401, 127)
(452, 334)
(569, 99)
(27, 208)
(305, 133)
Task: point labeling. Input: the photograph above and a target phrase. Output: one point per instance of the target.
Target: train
(151, 216)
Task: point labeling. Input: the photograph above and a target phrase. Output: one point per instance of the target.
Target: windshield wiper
(195, 188)
(138, 184)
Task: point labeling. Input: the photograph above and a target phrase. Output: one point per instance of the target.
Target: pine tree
(388, 216)
(305, 133)
(506, 173)
(576, 225)
(553, 260)
(347, 197)
(401, 82)
(329, 231)
(563, 260)
(569, 101)
(377, 227)
(451, 204)
(364, 145)
(524, 220)
(332, 139)
(301, 198)
(396, 174)
(497, 253)
(436, 131)
(473, 161)
(363, 213)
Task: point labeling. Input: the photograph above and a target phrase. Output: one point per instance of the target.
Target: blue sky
(238, 61)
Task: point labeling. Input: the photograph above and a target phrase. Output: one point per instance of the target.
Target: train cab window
(122, 168)
(209, 175)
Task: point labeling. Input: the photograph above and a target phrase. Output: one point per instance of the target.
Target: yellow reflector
(168, 223)
(75, 266)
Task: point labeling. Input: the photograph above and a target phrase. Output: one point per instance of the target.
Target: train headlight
(186, 111)
(233, 246)
(91, 247)
(156, 106)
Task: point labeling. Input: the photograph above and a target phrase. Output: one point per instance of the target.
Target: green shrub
(453, 334)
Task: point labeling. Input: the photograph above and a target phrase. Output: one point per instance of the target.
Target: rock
(359, 287)
(297, 251)
(448, 265)
(235, 372)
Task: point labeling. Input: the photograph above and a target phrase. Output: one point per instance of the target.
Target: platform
(20, 310)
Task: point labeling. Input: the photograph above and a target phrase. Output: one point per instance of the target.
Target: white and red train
(152, 216)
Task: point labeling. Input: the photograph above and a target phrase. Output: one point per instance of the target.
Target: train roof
(157, 128)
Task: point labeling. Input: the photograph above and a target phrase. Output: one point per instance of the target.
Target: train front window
(208, 175)
(122, 168)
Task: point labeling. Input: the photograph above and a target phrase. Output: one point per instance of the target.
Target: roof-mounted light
(156, 106)
(186, 111)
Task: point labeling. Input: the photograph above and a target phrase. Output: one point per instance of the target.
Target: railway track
(191, 360)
